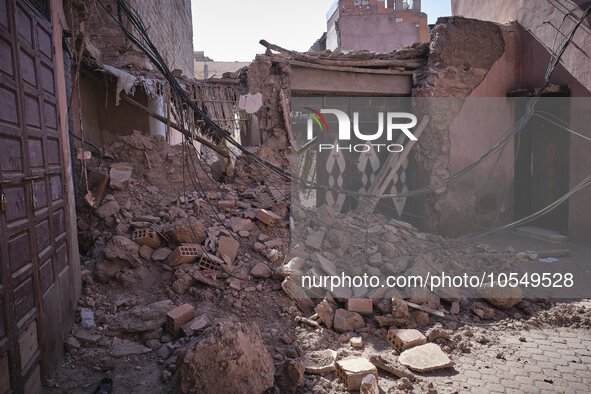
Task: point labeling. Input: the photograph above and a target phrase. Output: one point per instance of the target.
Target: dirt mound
(226, 360)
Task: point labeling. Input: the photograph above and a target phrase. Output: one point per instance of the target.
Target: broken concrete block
(356, 342)
(179, 316)
(352, 371)
(228, 246)
(146, 237)
(425, 358)
(119, 175)
(363, 306)
(128, 348)
(261, 271)
(325, 311)
(184, 254)
(369, 385)
(267, 217)
(345, 320)
(389, 363)
(211, 262)
(402, 339)
(319, 362)
(226, 359)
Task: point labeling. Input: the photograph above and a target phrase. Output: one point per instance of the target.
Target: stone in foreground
(225, 359)
(319, 362)
(425, 358)
(351, 372)
(402, 339)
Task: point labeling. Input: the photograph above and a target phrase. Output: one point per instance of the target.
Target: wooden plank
(344, 61)
(384, 71)
(287, 121)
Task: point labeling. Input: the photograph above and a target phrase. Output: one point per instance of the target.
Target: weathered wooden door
(36, 295)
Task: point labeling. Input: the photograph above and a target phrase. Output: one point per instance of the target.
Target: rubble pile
(201, 289)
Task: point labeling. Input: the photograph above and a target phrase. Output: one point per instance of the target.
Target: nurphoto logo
(402, 121)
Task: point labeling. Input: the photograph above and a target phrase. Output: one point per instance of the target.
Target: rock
(399, 308)
(123, 250)
(501, 297)
(85, 336)
(385, 306)
(71, 344)
(421, 318)
(356, 342)
(240, 224)
(108, 209)
(161, 254)
(228, 246)
(225, 359)
(188, 230)
(389, 363)
(119, 175)
(267, 217)
(272, 255)
(363, 306)
(369, 385)
(328, 266)
(142, 318)
(435, 333)
(164, 351)
(146, 252)
(182, 280)
(385, 321)
(292, 376)
(482, 311)
(325, 311)
(261, 271)
(274, 243)
(319, 362)
(455, 308)
(314, 239)
(425, 358)
(345, 320)
(128, 348)
(87, 319)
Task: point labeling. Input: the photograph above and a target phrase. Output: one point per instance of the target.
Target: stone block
(179, 316)
(425, 358)
(228, 246)
(352, 371)
(402, 339)
(363, 306)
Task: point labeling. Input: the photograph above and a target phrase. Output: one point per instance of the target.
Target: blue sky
(230, 30)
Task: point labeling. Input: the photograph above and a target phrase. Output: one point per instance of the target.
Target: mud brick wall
(169, 25)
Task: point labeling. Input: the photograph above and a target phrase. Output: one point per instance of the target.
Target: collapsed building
(93, 163)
